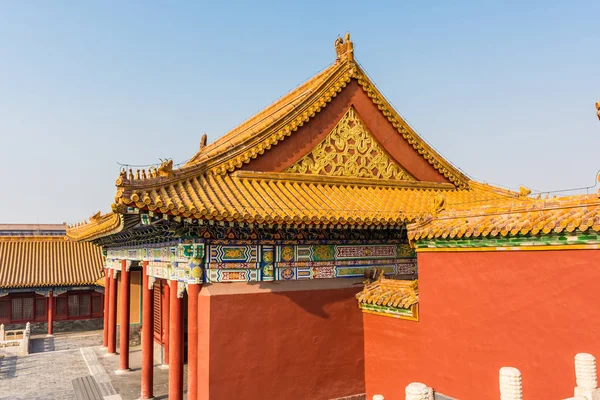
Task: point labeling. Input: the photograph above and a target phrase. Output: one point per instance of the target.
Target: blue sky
(504, 90)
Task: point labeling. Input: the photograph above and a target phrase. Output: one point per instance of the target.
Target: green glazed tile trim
(554, 239)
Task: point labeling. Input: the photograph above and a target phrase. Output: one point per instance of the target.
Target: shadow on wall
(298, 297)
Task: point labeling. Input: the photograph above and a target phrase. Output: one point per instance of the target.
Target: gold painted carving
(350, 150)
(437, 204)
(344, 48)
(165, 170)
(598, 109)
(234, 253)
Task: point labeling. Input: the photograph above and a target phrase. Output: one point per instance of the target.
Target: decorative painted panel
(366, 251)
(184, 260)
(287, 274)
(232, 253)
(266, 263)
(331, 252)
(231, 275)
(355, 272)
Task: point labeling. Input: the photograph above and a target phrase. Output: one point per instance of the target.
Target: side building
(54, 283)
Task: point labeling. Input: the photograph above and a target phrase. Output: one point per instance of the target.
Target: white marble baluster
(511, 386)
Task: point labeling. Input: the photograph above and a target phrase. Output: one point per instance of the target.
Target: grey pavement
(41, 376)
(65, 341)
(47, 372)
(128, 385)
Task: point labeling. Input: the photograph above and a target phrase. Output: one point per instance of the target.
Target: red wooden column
(175, 345)
(166, 308)
(106, 291)
(193, 291)
(112, 314)
(50, 313)
(147, 336)
(125, 301)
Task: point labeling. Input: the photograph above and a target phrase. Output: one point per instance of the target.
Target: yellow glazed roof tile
(511, 217)
(390, 293)
(98, 225)
(255, 197)
(41, 261)
(285, 198)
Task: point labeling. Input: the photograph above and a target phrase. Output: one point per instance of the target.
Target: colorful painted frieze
(232, 254)
(231, 275)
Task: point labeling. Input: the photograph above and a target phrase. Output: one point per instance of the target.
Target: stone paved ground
(41, 376)
(46, 374)
(128, 385)
(65, 341)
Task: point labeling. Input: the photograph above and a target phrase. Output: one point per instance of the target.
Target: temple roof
(353, 173)
(257, 197)
(512, 217)
(42, 261)
(279, 121)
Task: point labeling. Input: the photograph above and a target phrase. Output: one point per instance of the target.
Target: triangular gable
(315, 107)
(350, 150)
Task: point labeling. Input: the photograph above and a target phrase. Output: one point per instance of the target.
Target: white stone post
(511, 385)
(2, 332)
(417, 391)
(24, 347)
(378, 397)
(587, 380)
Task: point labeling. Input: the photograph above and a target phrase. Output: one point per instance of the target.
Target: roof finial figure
(598, 109)
(524, 192)
(344, 48)
(165, 170)
(203, 141)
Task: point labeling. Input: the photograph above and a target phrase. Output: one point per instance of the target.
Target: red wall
(293, 345)
(533, 310)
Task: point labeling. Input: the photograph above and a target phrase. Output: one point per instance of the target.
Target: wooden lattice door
(157, 297)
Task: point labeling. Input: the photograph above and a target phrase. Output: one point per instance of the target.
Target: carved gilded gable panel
(350, 150)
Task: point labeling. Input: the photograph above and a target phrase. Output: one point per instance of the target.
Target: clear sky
(505, 90)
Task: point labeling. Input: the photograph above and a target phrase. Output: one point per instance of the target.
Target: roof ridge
(32, 238)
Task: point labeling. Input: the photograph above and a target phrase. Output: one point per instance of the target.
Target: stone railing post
(417, 391)
(2, 332)
(511, 385)
(587, 380)
(24, 347)
(378, 397)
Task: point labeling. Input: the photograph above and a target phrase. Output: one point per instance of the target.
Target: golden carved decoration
(234, 253)
(344, 48)
(598, 109)
(524, 192)
(350, 150)
(165, 169)
(437, 205)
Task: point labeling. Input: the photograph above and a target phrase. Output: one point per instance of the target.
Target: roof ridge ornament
(344, 48)
(598, 109)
